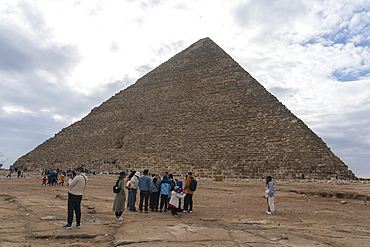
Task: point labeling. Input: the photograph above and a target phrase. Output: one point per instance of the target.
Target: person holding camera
(76, 188)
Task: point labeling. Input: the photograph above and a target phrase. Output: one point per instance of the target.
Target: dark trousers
(174, 210)
(188, 202)
(144, 198)
(74, 204)
(154, 200)
(118, 214)
(164, 201)
(132, 199)
(128, 199)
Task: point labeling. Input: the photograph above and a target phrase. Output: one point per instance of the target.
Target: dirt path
(228, 213)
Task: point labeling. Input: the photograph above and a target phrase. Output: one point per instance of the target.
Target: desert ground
(226, 213)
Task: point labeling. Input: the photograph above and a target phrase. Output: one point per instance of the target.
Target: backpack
(116, 189)
(193, 185)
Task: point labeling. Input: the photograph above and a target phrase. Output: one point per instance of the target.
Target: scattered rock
(90, 207)
(48, 218)
(93, 211)
(61, 196)
(283, 236)
(343, 202)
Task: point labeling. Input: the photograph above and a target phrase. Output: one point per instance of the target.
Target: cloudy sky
(59, 59)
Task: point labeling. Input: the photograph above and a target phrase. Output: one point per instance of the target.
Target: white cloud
(16, 109)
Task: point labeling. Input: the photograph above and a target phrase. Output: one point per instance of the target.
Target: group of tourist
(21, 174)
(167, 190)
(155, 193)
(52, 176)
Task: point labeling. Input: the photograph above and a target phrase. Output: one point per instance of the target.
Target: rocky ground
(226, 213)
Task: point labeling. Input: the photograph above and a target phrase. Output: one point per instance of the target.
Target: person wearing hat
(174, 204)
(133, 191)
(119, 201)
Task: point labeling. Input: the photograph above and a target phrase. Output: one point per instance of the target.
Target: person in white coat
(174, 203)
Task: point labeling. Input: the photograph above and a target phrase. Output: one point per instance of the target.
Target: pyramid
(200, 111)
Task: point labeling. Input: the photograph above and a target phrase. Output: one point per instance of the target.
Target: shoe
(78, 226)
(146, 211)
(160, 211)
(165, 210)
(68, 226)
(190, 211)
(184, 211)
(268, 212)
(120, 219)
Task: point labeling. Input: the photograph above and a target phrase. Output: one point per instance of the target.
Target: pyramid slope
(198, 111)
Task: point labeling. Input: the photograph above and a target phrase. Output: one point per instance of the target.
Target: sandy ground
(226, 213)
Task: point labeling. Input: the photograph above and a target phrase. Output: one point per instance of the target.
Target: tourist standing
(144, 186)
(62, 179)
(172, 183)
(76, 187)
(154, 197)
(133, 191)
(179, 184)
(270, 195)
(120, 199)
(128, 187)
(188, 201)
(165, 189)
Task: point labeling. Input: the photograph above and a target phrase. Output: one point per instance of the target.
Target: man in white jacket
(76, 188)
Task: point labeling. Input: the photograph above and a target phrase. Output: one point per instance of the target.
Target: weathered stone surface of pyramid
(200, 111)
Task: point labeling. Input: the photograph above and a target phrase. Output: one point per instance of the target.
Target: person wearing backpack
(190, 187)
(120, 199)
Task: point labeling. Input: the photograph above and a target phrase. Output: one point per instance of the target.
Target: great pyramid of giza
(200, 111)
